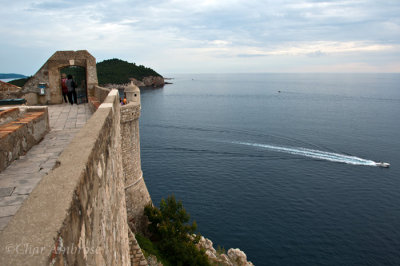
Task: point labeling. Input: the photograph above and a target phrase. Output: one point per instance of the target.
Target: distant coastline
(11, 76)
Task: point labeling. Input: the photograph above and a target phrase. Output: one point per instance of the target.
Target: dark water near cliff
(231, 147)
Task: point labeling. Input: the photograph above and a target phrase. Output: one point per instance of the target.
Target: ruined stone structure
(49, 76)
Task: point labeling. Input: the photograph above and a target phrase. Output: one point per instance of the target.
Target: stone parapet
(101, 93)
(130, 112)
(77, 213)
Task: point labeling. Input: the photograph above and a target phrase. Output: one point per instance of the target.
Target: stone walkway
(20, 178)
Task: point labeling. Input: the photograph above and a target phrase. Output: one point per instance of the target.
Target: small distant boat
(382, 164)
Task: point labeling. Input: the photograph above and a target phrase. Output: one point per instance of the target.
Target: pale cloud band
(207, 36)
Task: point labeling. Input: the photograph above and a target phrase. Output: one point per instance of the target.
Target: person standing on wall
(71, 85)
(64, 88)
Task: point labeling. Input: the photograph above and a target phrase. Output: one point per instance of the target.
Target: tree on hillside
(173, 235)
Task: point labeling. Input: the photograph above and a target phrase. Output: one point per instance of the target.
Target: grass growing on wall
(149, 248)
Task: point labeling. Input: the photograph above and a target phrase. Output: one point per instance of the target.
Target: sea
(281, 166)
(7, 80)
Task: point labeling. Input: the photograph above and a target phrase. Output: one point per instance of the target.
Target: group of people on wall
(68, 86)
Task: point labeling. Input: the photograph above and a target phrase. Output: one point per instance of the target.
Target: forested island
(114, 71)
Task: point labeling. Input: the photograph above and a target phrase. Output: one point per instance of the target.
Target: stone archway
(49, 74)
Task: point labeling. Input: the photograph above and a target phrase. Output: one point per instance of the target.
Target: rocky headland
(147, 82)
(151, 81)
(233, 257)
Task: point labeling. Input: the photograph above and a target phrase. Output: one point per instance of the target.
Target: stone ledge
(130, 112)
(17, 137)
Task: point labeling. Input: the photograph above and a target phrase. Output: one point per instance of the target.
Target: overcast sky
(177, 36)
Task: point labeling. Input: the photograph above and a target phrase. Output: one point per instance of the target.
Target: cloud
(218, 31)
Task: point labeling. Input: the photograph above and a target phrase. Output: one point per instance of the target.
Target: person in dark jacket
(71, 85)
(64, 88)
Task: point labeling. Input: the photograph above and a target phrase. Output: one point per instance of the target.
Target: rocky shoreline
(233, 257)
(147, 82)
(151, 81)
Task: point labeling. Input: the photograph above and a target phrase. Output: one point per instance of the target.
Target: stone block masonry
(25, 129)
(76, 215)
(49, 74)
(137, 195)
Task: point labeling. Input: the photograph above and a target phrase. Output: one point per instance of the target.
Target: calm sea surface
(287, 176)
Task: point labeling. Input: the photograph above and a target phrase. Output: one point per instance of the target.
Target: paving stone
(6, 191)
(21, 177)
(8, 210)
(10, 181)
(12, 200)
(23, 190)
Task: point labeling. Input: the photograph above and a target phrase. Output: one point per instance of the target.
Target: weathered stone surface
(238, 257)
(29, 126)
(6, 191)
(234, 257)
(137, 195)
(137, 82)
(4, 86)
(152, 81)
(9, 114)
(77, 213)
(136, 254)
(9, 91)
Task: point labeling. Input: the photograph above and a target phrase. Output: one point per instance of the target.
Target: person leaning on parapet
(64, 88)
(71, 85)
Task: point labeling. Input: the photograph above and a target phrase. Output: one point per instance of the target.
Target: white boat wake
(317, 154)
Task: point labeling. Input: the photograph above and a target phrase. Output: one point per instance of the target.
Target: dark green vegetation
(19, 82)
(11, 76)
(172, 239)
(117, 71)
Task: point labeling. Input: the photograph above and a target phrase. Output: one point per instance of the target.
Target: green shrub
(149, 248)
(19, 82)
(173, 235)
(220, 250)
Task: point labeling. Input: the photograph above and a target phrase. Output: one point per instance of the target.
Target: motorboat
(382, 164)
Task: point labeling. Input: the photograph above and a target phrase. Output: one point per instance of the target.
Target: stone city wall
(77, 214)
